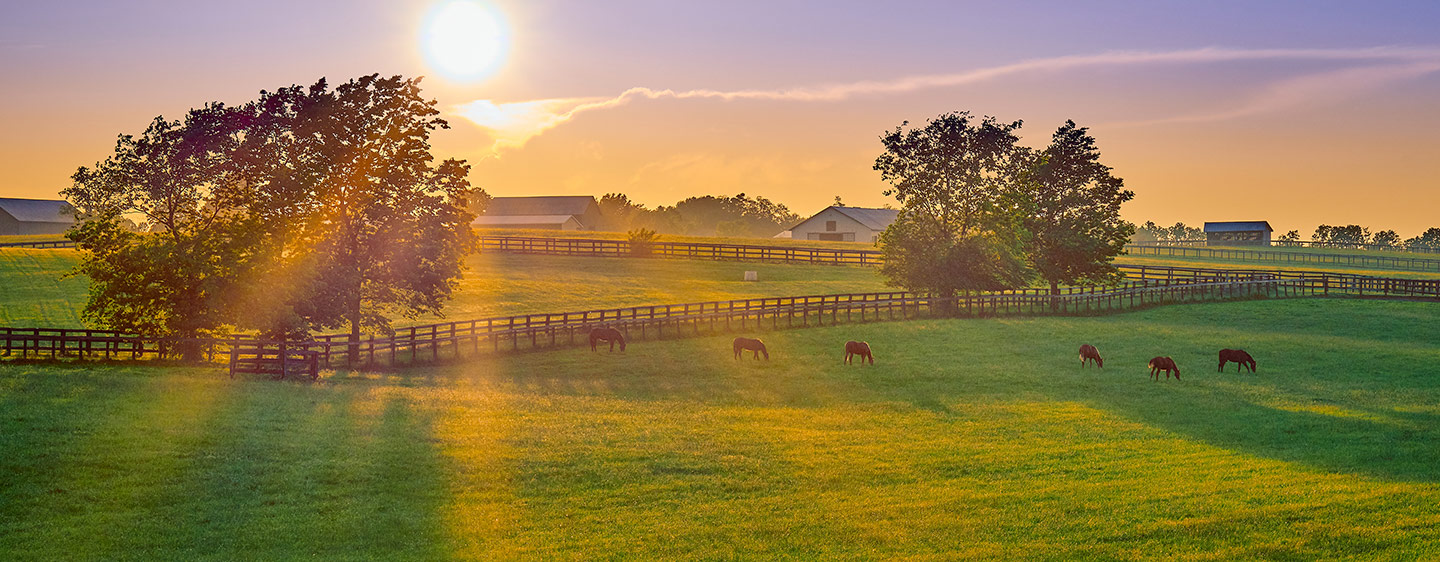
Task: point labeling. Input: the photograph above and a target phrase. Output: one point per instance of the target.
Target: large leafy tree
(1073, 212)
(375, 227)
(176, 279)
(309, 208)
(957, 170)
(958, 180)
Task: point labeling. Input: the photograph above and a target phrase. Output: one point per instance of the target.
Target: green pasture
(975, 439)
(32, 293)
(1282, 266)
(603, 235)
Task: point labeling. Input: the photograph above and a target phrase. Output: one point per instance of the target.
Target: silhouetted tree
(958, 181)
(174, 280)
(383, 230)
(1352, 234)
(1385, 238)
(308, 208)
(1073, 212)
(1429, 240)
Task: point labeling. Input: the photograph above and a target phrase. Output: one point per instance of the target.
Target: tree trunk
(1054, 296)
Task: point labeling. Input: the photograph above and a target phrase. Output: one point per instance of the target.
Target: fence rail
(1145, 286)
(1301, 258)
(39, 244)
(783, 254)
(691, 250)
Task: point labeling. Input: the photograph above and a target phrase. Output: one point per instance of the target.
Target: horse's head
(1099, 362)
(622, 343)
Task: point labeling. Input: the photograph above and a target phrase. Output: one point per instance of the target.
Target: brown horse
(1238, 356)
(860, 348)
(1163, 364)
(750, 344)
(1089, 353)
(607, 335)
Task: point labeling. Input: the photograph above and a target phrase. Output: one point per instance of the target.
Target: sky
(1300, 113)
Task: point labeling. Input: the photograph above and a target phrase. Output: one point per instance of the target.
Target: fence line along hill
(597, 247)
(1146, 286)
(840, 256)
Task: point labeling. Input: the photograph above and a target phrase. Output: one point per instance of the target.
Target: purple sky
(1299, 140)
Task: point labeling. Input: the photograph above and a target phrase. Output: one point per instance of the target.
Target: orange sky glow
(1271, 117)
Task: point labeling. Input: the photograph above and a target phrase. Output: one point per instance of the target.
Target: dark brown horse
(860, 348)
(750, 344)
(1089, 353)
(1163, 364)
(607, 335)
(1239, 357)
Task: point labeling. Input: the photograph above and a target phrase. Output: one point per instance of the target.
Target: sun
(465, 40)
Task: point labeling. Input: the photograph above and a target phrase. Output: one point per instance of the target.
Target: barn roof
(873, 219)
(37, 210)
(511, 220)
(540, 206)
(1238, 226)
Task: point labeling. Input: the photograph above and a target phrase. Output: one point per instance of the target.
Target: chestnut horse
(607, 335)
(1163, 364)
(750, 344)
(1238, 356)
(1089, 353)
(860, 348)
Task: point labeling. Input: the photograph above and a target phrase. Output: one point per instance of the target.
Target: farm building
(847, 224)
(1243, 233)
(579, 212)
(35, 216)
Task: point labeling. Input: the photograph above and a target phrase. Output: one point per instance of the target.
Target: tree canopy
(1072, 211)
(308, 208)
(981, 212)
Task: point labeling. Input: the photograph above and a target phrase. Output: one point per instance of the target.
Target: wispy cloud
(512, 124)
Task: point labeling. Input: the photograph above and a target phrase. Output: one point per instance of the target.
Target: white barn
(577, 212)
(845, 224)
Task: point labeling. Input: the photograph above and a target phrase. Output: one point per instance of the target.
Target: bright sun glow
(465, 40)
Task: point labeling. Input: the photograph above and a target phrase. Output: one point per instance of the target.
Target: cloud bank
(512, 124)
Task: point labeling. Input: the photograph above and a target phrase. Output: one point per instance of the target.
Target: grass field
(1254, 264)
(34, 295)
(34, 292)
(968, 439)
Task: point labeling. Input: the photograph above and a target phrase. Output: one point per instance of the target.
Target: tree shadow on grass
(47, 415)
(286, 470)
(1327, 428)
(1327, 441)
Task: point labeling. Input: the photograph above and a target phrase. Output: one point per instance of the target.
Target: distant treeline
(740, 216)
(1350, 235)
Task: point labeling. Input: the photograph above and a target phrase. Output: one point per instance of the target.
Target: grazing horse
(860, 348)
(607, 335)
(1163, 364)
(1089, 353)
(1240, 358)
(750, 344)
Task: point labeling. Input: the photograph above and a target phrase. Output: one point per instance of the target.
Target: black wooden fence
(1289, 258)
(1146, 286)
(39, 244)
(691, 250)
(835, 256)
